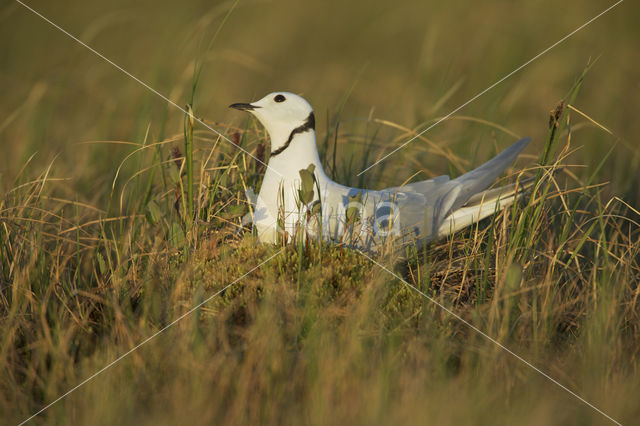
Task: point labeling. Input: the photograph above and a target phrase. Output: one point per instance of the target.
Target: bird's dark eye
(279, 98)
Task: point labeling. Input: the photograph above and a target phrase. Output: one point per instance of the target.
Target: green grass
(104, 244)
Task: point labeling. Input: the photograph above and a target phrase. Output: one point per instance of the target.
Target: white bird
(417, 212)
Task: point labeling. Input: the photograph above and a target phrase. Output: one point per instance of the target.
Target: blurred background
(403, 62)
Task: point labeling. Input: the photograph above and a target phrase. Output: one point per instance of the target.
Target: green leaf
(101, 264)
(307, 180)
(154, 214)
(307, 197)
(174, 176)
(234, 211)
(316, 207)
(176, 235)
(353, 210)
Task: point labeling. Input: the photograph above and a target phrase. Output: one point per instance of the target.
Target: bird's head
(283, 114)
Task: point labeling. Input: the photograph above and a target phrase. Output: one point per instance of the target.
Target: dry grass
(554, 278)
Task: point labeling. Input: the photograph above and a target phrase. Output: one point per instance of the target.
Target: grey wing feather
(482, 177)
(423, 186)
(442, 195)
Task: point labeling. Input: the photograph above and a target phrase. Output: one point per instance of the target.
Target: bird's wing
(442, 196)
(422, 187)
(482, 177)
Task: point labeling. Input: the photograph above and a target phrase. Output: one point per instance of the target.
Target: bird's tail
(483, 205)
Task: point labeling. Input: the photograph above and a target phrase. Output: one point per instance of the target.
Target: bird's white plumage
(419, 211)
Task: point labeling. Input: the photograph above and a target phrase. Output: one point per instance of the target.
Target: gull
(417, 212)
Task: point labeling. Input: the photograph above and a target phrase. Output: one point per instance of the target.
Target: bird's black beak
(244, 107)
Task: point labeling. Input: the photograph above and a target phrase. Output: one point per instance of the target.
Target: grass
(104, 246)
(318, 334)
